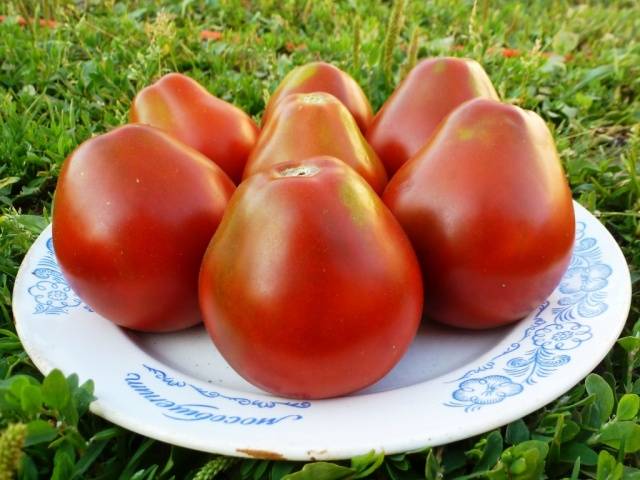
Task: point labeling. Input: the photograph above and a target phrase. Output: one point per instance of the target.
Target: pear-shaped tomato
(312, 124)
(133, 214)
(323, 77)
(489, 212)
(411, 114)
(310, 288)
(182, 107)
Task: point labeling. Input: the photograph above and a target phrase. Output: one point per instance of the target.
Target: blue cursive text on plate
(197, 412)
(161, 375)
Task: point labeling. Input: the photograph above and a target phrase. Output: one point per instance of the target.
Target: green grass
(59, 86)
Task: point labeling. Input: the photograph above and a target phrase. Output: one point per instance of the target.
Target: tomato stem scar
(301, 171)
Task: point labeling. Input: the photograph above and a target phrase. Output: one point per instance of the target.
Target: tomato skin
(310, 288)
(323, 77)
(307, 125)
(489, 213)
(426, 96)
(183, 108)
(133, 214)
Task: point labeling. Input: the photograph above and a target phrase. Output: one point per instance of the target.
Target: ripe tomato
(182, 107)
(411, 114)
(307, 125)
(310, 288)
(489, 213)
(323, 77)
(133, 214)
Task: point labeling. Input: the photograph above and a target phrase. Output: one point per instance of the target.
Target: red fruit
(489, 213)
(185, 109)
(133, 214)
(310, 288)
(308, 125)
(323, 77)
(427, 95)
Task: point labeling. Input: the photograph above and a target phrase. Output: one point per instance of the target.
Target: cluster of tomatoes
(311, 248)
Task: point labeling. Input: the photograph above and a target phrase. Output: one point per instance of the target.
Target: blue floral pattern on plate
(51, 292)
(554, 332)
(486, 390)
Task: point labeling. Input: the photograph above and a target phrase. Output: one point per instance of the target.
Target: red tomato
(133, 214)
(489, 212)
(323, 77)
(430, 91)
(307, 125)
(310, 288)
(182, 107)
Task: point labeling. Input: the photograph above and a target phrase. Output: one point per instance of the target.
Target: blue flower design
(562, 336)
(52, 293)
(53, 297)
(555, 329)
(585, 279)
(486, 390)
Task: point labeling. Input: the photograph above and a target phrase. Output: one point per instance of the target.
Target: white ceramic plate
(450, 385)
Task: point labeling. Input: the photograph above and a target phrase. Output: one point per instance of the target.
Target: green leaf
(554, 446)
(69, 413)
(629, 344)
(73, 382)
(73, 437)
(55, 390)
(6, 181)
(432, 468)
(146, 473)
(261, 469)
(134, 460)
(613, 433)
(570, 430)
(572, 451)
(31, 400)
(583, 101)
(628, 406)
(399, 461)
(18, 383)
(90, 456)
(591, 75)
(170, 463)
(528, 459)
(608, 468)
(32, 223)
(635, 330)
(517, 432)
(28, 469)
(597, 386)
(631, 473)
(247, 466)
(366, 464)
(83, 396)
(107, 434)
(575, 472)
(491, 453)
(280, 469)
(453, 458)
(565, 42)
(39, 431)
(321, 471)
(63, 462)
